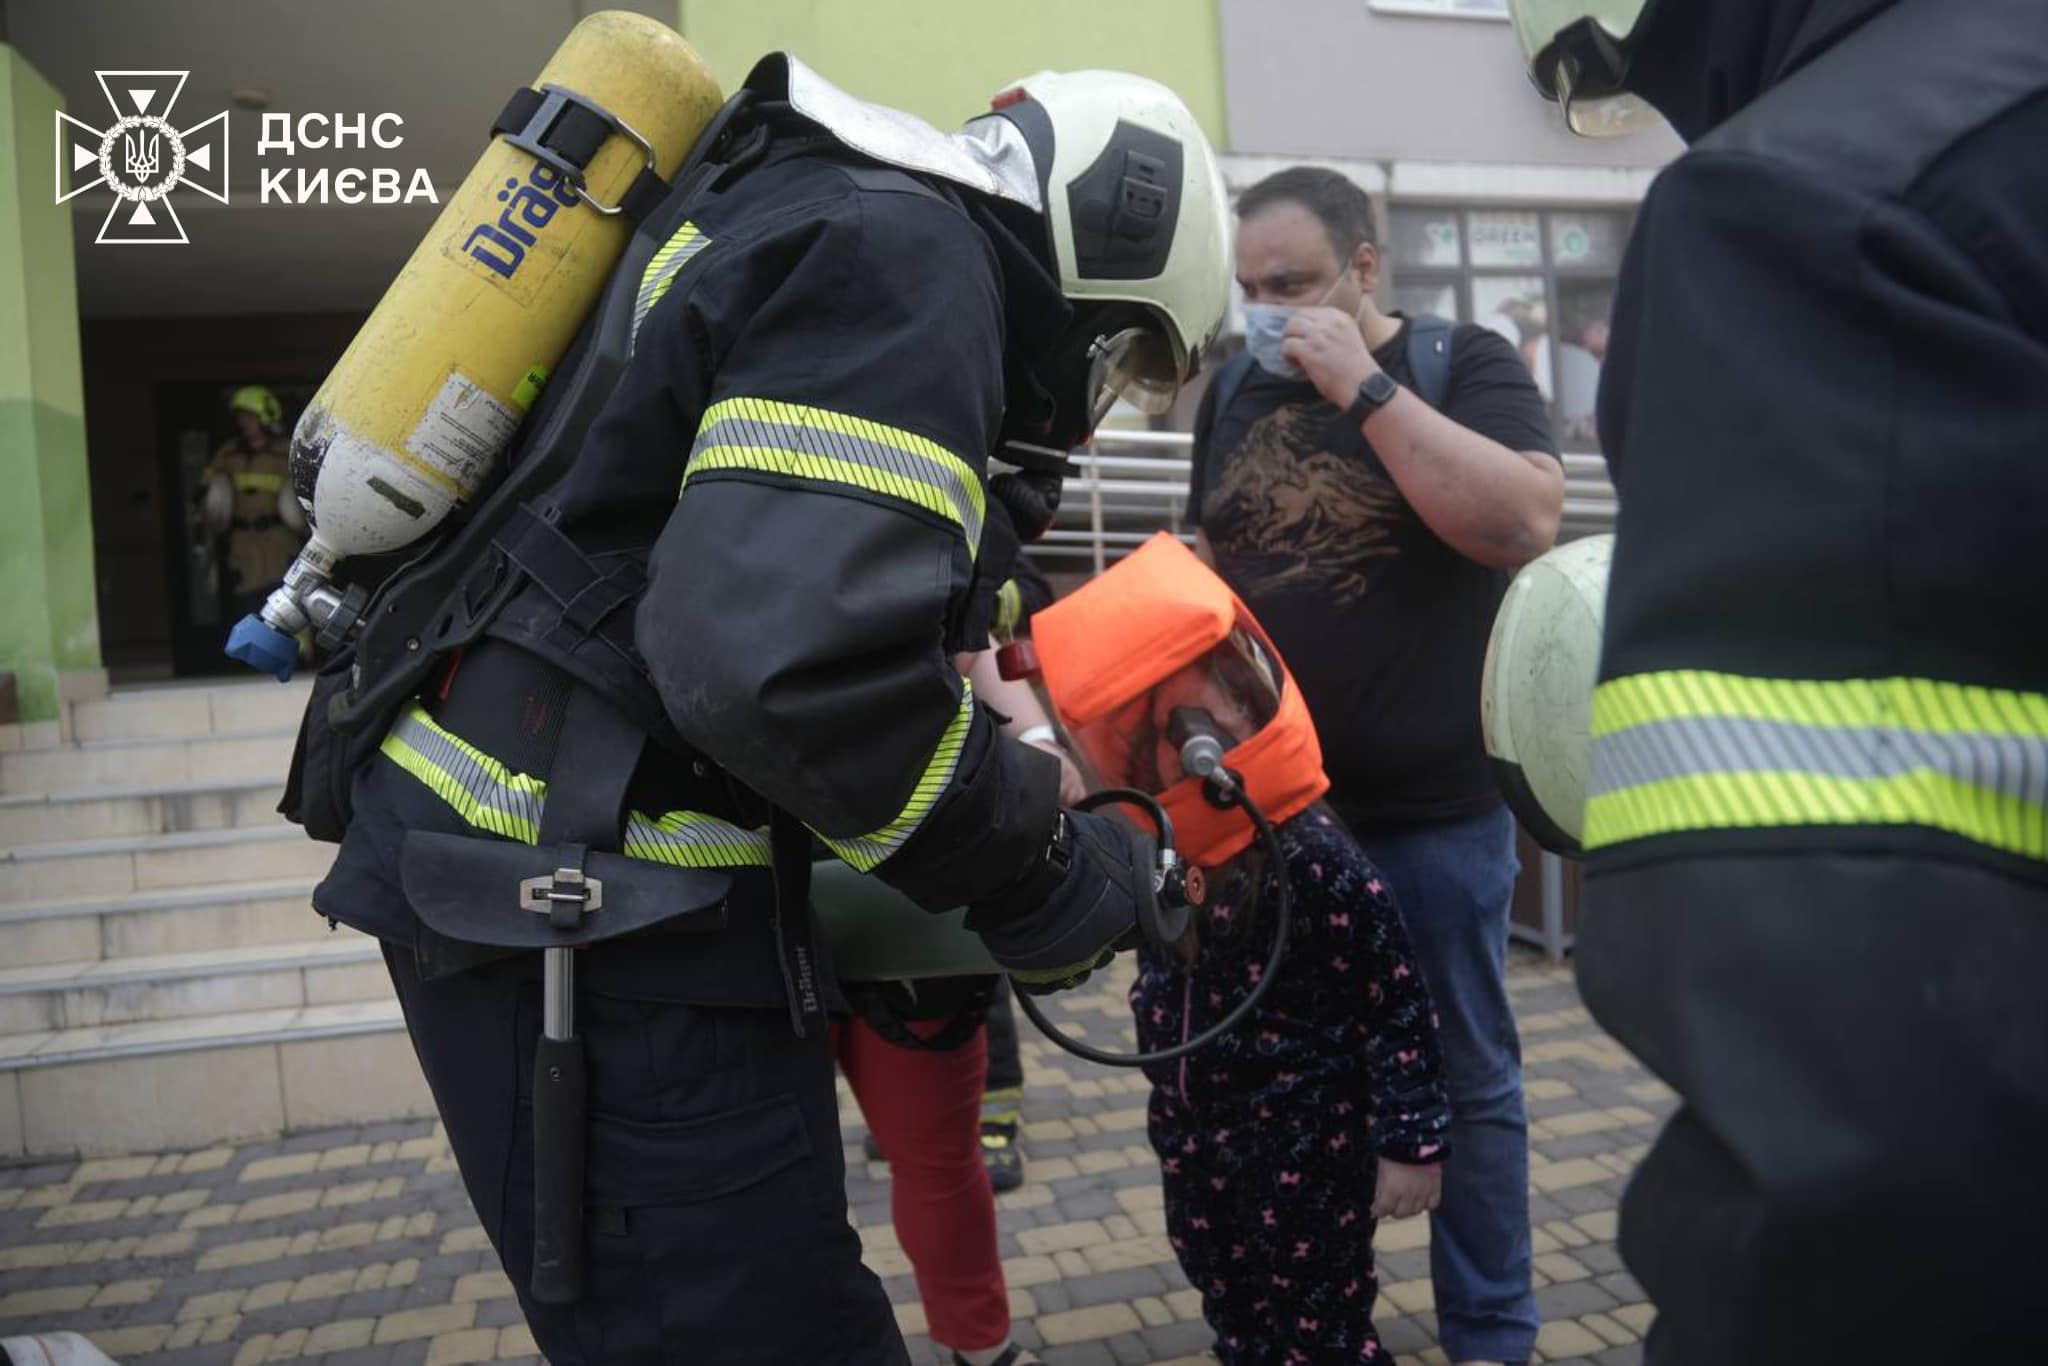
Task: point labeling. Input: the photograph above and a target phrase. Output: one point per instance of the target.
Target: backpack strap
(1229, 380)
(1429, 357)
(889, 1008)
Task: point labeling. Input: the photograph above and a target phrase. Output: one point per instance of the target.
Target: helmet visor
(1539, 22)
(1603, 116)
(1230, 693)
(1578, 52)
(1135, 364)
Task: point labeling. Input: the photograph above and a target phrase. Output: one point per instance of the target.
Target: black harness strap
(644, 195)
(571, 130)
(565, 130)
(789, 851)
(594, 762)
(590, 598)
(882, 1017)
(586, 806)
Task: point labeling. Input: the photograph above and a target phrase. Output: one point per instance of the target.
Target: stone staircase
(164, 981)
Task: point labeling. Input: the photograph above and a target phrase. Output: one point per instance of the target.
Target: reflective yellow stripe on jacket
(1692, 750)
(667, 262)
(863, 852)
(494, 799)
(821, 446)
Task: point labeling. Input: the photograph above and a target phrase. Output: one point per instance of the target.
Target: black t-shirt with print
(1383, 623)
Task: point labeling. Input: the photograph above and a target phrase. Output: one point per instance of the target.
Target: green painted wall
(49, 618)
(942, 59)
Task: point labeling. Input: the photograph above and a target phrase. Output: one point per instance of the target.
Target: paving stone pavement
(358, 1247)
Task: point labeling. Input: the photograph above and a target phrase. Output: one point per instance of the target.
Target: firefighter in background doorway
(248, 499)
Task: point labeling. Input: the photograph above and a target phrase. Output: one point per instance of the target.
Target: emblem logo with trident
(142, 157)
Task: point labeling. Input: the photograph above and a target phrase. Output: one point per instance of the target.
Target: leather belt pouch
(495, 892)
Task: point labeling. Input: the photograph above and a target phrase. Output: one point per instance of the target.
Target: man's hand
(1403, 1190)
(1326, 343)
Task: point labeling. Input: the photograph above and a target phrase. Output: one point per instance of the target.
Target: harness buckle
(564, 888)
(534, 138)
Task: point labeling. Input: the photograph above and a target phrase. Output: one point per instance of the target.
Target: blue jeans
(1454, 881)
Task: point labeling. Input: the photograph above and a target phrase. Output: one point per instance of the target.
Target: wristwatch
(1375, 393)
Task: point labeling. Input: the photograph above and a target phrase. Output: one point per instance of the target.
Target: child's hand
(1403, 1189)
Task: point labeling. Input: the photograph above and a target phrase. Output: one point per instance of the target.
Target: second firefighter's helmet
(254, 398)
(1536, 689)
(1138, 219)
(1578, 53)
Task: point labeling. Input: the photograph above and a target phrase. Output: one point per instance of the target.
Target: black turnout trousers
(716, 1227)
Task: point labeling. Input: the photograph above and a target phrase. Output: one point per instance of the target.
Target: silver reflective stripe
(491, 797)
(731, 429)
(661, 271)
(1697, 745)
(694, 841)
(483, 791)
(863, 853)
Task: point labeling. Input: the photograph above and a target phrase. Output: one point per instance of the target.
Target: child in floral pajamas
(1285, 1139)
(1282, 1142)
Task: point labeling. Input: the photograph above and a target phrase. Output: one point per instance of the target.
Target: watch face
(1379, 388)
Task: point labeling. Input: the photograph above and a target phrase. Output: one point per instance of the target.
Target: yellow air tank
(427, 397)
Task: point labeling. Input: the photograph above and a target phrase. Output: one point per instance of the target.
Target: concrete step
(142, 863)
(186, 711)
(148, 762)
(141, 924)
(164, 809)
(190, 1083)
(18, 735)
(133, 990)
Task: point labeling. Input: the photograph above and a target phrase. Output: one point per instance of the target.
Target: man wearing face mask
(1371, 528)
(1817, 819)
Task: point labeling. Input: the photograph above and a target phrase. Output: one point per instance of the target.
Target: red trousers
(925, 1111)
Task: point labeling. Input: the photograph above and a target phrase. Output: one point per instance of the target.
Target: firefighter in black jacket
(787, 504)
(1818, 902)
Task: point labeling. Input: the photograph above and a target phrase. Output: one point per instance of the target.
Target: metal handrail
(1134, 483)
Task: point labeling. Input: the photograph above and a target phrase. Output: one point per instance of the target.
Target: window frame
(1437, 9)
(1460, 277)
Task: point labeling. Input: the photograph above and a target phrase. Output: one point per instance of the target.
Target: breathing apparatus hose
(1222, 789)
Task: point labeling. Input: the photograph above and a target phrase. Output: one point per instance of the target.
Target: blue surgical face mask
(1265, 330)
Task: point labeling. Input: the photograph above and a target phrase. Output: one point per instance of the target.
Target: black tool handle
(558, 1129)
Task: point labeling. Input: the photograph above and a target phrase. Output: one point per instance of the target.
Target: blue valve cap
(263, 648)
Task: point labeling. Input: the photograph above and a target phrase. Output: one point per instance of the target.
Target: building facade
(1491, 213)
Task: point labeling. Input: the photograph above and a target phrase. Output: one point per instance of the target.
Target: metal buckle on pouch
(541, 894)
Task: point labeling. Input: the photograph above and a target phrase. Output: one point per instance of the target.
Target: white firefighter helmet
(1137, 214)
(1536, 695)
(1578, 53)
